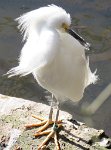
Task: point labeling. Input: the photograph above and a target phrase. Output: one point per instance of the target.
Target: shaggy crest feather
(28, 20)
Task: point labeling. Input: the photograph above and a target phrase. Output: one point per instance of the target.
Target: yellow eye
(65, 26)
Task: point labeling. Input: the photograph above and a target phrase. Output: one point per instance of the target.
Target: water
(92, 20)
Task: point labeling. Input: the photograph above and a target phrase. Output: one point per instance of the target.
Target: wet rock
(15, 113)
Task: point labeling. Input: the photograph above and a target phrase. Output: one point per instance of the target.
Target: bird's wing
(69, 73)
(75, 72)
(36, 53)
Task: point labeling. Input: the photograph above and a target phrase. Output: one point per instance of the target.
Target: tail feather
(92, 77)
(16, 71)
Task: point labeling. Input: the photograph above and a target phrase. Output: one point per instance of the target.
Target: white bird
(54, 54)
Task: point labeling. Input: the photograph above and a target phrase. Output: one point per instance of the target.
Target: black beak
(79, 38)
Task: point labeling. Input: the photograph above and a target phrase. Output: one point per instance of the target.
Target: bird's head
(51, 16)
(59, 19)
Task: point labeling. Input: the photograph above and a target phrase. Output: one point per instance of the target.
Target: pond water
(92, 20)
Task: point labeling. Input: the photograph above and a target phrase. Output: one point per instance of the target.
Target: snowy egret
(55, 55)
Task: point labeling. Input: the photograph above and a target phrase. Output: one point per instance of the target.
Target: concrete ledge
(16, 112)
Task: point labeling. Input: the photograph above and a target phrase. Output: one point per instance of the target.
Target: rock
(16, 112)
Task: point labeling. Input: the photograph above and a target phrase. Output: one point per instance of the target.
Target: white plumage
(54, 57)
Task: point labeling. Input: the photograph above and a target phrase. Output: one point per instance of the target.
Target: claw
(36, 124)
(37, 117)
(42, 133)
(47, 138)
(50, 133)
(56, 141)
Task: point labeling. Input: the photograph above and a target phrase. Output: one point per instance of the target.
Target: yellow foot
(44, 123)
(51, 133)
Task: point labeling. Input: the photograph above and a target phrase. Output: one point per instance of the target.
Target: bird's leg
(55, 128)
(51, 133)
(44, 123)
(48, 122)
